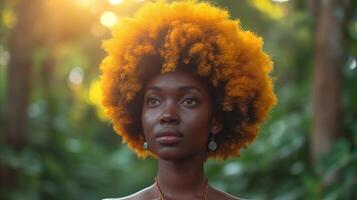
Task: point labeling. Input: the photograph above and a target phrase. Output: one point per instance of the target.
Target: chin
(175, 154)
(170, 154)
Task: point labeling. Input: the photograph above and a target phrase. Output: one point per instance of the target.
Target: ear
(216, 126)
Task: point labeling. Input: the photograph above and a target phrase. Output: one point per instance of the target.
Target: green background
(73, 153)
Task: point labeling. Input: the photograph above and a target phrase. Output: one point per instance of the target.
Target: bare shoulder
(218, 194)
(141, 195)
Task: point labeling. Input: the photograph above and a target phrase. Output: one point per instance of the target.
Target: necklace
(162, 195)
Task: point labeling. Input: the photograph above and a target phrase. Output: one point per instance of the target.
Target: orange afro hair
(163, 37)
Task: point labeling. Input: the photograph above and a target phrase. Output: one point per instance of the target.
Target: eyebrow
(182, 88)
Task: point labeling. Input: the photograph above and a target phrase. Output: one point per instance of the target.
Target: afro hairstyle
(195, 36)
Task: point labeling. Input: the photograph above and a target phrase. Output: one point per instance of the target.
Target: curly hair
(199, 37)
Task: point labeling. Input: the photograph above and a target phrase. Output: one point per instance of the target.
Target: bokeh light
(95, 93)
(115, 2)
(8, 18)
(95, 99)
(352, 63)
(4, 56)
(269, 8)
(232, 168)
(280, 1)
(76, 76)
(108, 19)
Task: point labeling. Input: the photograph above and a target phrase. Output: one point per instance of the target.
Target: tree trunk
(330, 17)
(21, 45)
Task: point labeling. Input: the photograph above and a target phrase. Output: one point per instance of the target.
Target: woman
(184, 83)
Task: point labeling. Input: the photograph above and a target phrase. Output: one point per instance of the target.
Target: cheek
(148, 119)
(199, 121)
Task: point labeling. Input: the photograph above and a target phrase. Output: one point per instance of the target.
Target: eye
(153, 101)
(190, 102)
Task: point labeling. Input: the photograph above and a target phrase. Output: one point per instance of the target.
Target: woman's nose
(169, 119)
(169, 116)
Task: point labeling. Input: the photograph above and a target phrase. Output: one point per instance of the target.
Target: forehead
(177, 80)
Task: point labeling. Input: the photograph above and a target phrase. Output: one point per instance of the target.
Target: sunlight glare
(115, 2)
(84, 3)
(108, 19)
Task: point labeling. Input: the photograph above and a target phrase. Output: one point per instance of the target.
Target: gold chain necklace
(162, 195)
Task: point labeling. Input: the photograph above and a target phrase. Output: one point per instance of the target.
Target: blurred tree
(19, 71)
(19, 80)
(329, 55)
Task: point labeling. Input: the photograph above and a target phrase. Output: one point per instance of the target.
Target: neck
(184, 177)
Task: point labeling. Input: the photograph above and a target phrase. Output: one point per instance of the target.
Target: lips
(169, 137)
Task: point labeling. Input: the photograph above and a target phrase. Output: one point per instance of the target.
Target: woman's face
(176, 116)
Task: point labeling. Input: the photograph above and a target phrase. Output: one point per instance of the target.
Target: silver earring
(212, 145)
(145, 145)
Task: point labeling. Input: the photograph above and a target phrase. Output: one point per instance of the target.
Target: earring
(212, 145)
(145, 145)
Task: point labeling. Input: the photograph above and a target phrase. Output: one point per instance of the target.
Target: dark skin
(177, 120)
